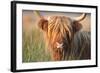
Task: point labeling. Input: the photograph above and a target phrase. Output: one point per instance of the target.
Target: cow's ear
(76, 26)
(43, 24)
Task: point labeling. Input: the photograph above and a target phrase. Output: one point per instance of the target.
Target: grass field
(34, 47)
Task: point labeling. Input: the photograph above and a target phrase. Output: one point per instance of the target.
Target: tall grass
(34, 47)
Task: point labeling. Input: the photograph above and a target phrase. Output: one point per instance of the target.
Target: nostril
(59, 45)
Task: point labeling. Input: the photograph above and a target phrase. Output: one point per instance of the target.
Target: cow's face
(59, 31)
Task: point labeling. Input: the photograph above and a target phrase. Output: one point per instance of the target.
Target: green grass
(34, 47)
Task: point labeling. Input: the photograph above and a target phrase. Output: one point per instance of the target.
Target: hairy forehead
(56, 16)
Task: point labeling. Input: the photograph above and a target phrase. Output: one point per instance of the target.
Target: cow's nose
(59, 45)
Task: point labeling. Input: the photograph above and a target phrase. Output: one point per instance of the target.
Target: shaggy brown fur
(65, 39)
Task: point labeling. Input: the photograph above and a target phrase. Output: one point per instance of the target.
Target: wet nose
(59, 45)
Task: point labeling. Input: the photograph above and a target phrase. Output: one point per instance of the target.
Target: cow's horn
(81, 17)
(37, 13)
